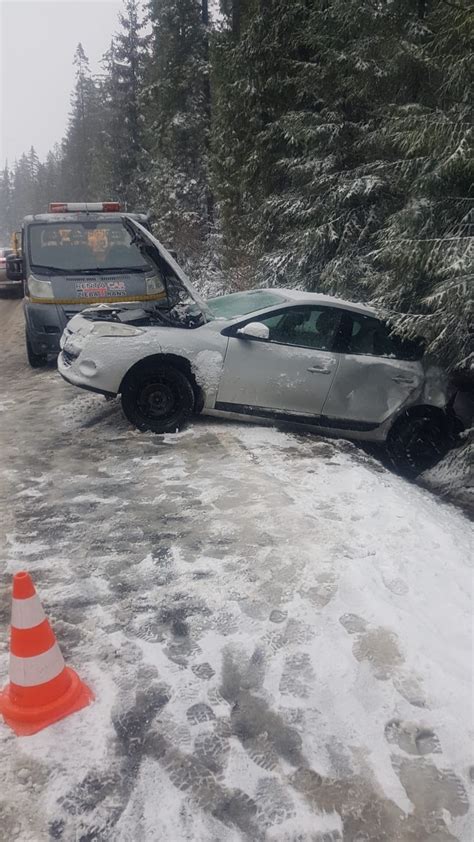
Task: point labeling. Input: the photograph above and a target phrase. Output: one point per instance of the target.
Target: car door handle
(408, 381)
(316, 369)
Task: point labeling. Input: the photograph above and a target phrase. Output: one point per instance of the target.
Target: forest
(319, 144)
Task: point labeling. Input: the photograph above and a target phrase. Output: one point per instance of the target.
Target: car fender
(203, 360)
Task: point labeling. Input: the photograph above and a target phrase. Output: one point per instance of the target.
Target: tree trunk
(236, 20)
(207, 109)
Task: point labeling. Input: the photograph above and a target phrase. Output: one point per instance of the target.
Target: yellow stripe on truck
(88, 301)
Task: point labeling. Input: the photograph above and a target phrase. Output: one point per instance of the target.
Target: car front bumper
(82, 374)
(73, 375)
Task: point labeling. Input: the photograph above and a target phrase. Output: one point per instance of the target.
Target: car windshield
(242, 303)
(83, 246)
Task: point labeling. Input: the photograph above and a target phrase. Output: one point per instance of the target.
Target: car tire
(35, 360)
(158, 398)
(417, 442)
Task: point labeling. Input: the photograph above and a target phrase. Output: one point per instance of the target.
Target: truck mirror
(14, 268)
(16, 242)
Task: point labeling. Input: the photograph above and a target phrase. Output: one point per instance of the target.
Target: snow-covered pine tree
(336, 120)
(236, 124)
(426, 249)
(122, 133)
(82, 147)
(300, 94)
(339, 66)
(176, 109)
(7, 225)
(24, 186)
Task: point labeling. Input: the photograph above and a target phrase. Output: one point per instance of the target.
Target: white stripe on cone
(27, 672)
(27, 613)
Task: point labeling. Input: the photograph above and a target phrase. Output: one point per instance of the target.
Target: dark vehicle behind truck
(76, 255)
(7, 285)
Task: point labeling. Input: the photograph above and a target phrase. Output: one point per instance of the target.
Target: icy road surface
(276, 629)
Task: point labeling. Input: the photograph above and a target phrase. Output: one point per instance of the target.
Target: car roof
(302, 297)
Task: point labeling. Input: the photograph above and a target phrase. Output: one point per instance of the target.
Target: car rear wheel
(158, 398)
(416, 443)
(35, 360)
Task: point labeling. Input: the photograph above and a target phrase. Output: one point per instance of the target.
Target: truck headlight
(40, 289)
(154, 285)
(114, 329)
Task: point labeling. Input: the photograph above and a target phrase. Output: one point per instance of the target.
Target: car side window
(368, 335)
(309, 327)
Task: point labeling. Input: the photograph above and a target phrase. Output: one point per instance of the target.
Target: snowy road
(277, 631)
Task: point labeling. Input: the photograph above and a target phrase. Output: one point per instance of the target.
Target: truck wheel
(416, 443)
(157, 397)
(35, 360)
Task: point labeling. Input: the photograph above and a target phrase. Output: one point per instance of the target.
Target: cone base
(26, 721)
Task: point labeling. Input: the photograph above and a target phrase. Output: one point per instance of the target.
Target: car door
(376, 376)
(291, 372)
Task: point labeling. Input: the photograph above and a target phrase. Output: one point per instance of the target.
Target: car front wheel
(158, 397)
(416, 443)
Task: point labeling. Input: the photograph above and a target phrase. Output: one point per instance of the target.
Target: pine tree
(426, 249)
(296, 102)
(48, 179)
(335, 121)
(123, 136)
(7, 225)
(24, 187)
(82, 143)
(236, 123)
(176, 105)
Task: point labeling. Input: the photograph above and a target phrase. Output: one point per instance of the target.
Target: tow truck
(75, 256)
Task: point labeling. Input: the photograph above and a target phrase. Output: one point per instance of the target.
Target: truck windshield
(83, 247)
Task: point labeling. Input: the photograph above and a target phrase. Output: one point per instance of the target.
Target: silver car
(314, 360)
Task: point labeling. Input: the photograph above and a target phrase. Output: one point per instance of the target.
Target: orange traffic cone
(42, 688)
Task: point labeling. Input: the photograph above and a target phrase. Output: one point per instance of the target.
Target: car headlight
(115, 329)
(154, 285)
(40, 289)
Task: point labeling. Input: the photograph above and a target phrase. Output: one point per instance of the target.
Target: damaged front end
(180, 306)
(147, 315)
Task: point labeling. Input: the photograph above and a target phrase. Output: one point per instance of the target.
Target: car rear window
(242, 303)
(370, 336)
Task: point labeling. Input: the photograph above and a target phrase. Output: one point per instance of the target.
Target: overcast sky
(37, 43)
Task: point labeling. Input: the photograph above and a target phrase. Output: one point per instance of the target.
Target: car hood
(177, 283)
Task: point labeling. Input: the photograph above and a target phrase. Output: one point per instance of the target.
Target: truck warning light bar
(91, 207)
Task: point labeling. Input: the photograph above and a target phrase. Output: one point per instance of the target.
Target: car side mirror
(254, 330)
(14, 268)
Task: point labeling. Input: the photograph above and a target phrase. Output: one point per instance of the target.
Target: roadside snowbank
(453, 477)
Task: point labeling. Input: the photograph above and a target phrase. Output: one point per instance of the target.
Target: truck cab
(74, 256)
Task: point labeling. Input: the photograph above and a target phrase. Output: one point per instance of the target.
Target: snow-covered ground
(453, 477)
(277, 631)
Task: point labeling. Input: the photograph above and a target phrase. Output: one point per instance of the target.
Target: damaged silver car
(295, 357)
